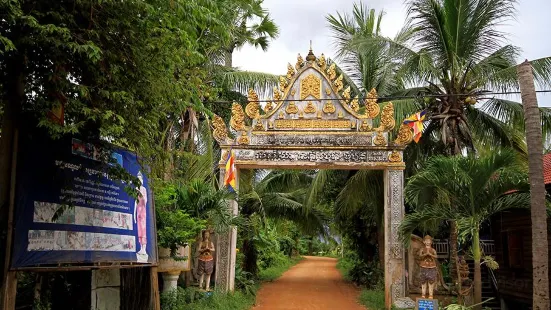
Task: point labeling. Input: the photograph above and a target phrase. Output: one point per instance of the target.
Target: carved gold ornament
(237, 121)
(338, 83)
(312, 123)
(220, 132)
(282, 83)
(293, 92)
(395, 157)
(310, 86)
(372, 109)
(332, 71)
(281, 116)
(290, 71)
(319, 116)
(310, 108)
(387, 118)
(405, 135)
(271, 124)
(379, 139)
(353, 125)
(268, 107)
(277, 94)
(340, 114)
(259, 126)
(321, 62)
(243, 139)
(300, 62)
(365, 126)
(300, 114)
(328, 91)
(354, 104)
(291, 108)
(253, 108)
(329, 108)
(346, 93)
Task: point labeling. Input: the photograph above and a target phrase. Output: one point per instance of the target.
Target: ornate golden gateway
(315, 106)
(310, 86)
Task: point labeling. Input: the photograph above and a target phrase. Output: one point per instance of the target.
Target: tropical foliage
(453, 56)
(467, 190)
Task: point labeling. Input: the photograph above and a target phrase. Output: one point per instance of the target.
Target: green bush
(368, 274)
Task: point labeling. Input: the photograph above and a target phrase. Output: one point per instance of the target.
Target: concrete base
(170, 281)
(404, 303)
(106, 289)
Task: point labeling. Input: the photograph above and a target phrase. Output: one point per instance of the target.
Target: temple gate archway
(313, 123)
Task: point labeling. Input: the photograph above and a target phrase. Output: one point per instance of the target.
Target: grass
(372, 299)
(232, 301)
(274, 272)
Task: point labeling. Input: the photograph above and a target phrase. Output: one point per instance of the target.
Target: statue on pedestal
(427, 262)
(206, 260)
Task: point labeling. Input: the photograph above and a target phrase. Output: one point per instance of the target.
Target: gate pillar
(394, 249)
(226, 247)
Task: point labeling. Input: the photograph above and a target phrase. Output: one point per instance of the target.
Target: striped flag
(416, 122)
(229, 179)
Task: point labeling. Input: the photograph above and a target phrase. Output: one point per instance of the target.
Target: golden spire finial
(311, 57)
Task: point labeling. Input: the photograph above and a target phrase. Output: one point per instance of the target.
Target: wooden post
(156, 297)
(9, 287)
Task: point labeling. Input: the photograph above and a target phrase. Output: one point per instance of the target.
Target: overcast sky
(302, 21)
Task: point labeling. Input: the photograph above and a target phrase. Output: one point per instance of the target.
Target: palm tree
(239, 16)
(467, 190)
(454, 51)
(366, 59)
(277, 195)
(540, 277)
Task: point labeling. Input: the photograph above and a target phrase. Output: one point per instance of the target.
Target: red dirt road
(313, 284)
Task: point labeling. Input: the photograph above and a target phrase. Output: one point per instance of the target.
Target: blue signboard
(70, 210)
(427, 304)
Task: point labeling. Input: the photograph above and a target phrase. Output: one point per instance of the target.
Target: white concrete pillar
(225, 249)
(106, 289)
(170, 281)
(394, 249)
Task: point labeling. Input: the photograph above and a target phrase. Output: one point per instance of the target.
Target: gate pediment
(312, 120)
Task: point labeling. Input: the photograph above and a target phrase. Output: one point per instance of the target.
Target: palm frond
(242, 81)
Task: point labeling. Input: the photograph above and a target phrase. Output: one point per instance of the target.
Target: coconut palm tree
(467, 190)
(540, 263)
(366, 59)
(451, 52)
(242, 32)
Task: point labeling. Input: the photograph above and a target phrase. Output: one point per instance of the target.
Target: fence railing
(442, 247)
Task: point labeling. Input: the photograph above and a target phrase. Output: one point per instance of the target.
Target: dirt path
(314, 283)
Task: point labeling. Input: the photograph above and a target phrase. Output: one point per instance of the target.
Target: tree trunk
(454, 270)
(14, 97)
(228, 59)
(532, 120)
(250, 257)
(477, 274)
